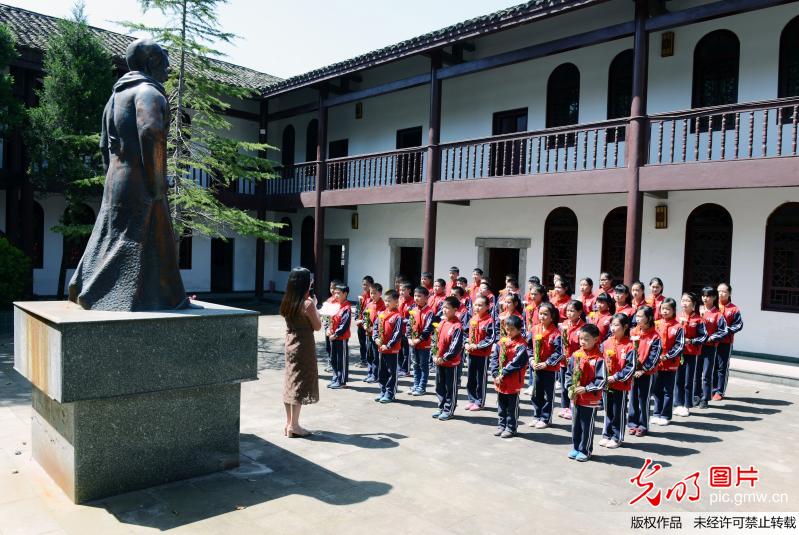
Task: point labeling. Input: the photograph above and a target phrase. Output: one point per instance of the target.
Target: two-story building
(647, 138)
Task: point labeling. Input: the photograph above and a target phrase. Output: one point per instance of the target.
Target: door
(410, 264)
(307, 254)
(409, 165)
(507, 157)
(222, 265)
(501, 262)
(337, 262)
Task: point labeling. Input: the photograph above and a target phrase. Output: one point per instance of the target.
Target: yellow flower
(539, 336)
(530, 307)
(435, 325)
(382, 315)
(504, 340)
(610, 352)
(473, 322)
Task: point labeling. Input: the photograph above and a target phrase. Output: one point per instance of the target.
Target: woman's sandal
(292, 434)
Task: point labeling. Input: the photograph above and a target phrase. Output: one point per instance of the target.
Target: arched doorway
(284, 247)
(307, 243)
(614, 234)
(560, 245)
(781, 262)
(708, 247)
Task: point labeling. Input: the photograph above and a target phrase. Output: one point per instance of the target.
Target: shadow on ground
(15, 389)
(267, 472)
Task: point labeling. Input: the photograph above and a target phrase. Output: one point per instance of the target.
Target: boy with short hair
(454, 273)
(363, 302)
(326, 324)
(447, 357)
(437, 299)
(585, 378)
(405, 303)
(387, 335)
(481, 339)
(474, 288)
(339, 335)
(508, 364)
(375, 307)
(427, 280)
(419, 334)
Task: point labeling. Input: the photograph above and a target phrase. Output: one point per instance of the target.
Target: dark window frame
(311, 140)
(705, 62)
(558, 83)
(284, 251)
(688, 274)
(288, 146)
(560, 211)
(606, 263)
(768, 258)
(620, 91)
(508, 157)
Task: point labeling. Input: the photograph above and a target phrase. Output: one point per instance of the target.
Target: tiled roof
(32, 29)
(504, 18)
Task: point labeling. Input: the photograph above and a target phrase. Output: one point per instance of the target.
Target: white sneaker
(681, 411)
(664, 421)
(612, 444)
(603, 442)
(655, 420)
(658, 420)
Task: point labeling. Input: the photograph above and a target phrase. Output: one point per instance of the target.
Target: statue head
(147, 56)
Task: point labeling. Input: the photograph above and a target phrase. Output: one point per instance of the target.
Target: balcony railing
(554, 150)
(296, 178)
(734, 132)
(403, 166)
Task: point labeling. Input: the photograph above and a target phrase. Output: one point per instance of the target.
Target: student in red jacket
(606, 284)
(695, 336)
(464, 314)
(732, 316)
(672, 338)
(637, 300)
(373, 309)
(437, 297)
(405, 303)
(427, 281)
(604, 308)
(363, 302)
(545, 363)
(493, 305)
(420, 335)
(448, 354)
(623, 301)
(587, 295)
(482, 336)
(388, 339)
(648, 349)
(586, 378)
(655, 297)
(326, 325)
(562, 296)
(620, 366)
(474, 288)
(716, 328)
(508, 363)
(339, 336)
(536, 296)
(454, 273)
(532, 282)
(570, 330)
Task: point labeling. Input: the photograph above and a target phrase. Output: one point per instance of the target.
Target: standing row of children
(614, 349)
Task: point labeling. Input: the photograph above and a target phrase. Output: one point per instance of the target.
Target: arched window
(789, 60)
(781, 263)
(76, 214)
(311, 140)
(614, 233)
(287, 148)
(563, 96)
(708, 247)
(37, 247)
(620, 85)
(284, 247)
(307, 244)
(716, 60)
(560, 245)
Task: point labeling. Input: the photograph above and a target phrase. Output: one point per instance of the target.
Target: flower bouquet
(380, 333)
(434, 342)
(577, 372)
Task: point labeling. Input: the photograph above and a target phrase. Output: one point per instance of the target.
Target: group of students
(611, 349)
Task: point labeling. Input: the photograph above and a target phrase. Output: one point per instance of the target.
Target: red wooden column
(433, 167)
(260, 193)
(321, 181)
(636, 145)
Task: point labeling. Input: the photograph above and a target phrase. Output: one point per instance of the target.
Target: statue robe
(130, 261)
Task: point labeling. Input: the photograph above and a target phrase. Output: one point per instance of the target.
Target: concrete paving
(374, 468)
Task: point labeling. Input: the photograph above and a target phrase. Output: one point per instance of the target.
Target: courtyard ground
(374, 468)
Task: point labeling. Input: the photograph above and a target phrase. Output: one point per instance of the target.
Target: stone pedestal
(126, 400)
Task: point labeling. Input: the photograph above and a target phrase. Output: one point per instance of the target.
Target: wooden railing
(734, 132)
(403, 166)
(554, 150)
(293, 179)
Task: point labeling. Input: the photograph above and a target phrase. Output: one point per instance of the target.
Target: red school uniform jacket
(619, 362)
(672, 337)
(363, 301)
(695, 333)
(474, 291)
(483, 333)
(592, 376)
(561, 305)
(602, 321)
(732, 316)
(588, 301)
(341, 320)
(649, 349)
(501, 322)
(509, 362)
(715, 326)
(422, 325)
(391, 320)
(551, 346)
(374, 308)
(450, 342)
(627, 310)
(655, 303)
(573, 335)
(531, 317)
(436, 301)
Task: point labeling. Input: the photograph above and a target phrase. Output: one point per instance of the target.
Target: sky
(287, 38)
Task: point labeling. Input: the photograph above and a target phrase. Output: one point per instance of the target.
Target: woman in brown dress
(301, 382)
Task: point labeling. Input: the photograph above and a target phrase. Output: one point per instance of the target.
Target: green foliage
(10, 107)
(197, 134)
(15, 273)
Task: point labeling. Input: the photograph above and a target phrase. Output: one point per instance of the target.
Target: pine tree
(64, 131)
(197, 135)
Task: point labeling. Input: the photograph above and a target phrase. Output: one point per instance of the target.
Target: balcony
(742, 145)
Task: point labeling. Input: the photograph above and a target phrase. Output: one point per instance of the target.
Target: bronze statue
(130, 262)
